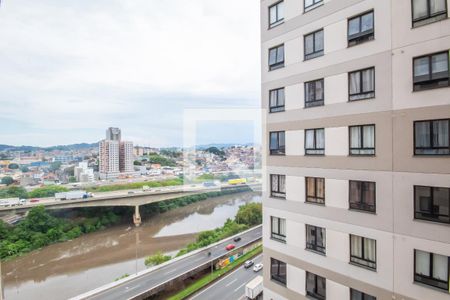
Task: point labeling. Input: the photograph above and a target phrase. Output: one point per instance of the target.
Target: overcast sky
(70, 69)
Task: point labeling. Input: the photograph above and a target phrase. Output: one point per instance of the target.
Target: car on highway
(257, 267)
(34, 200)
(230, 247)
(248, 264)
(130, 192)
(237, 239)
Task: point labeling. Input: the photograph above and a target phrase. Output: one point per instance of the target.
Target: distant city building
(115, 156)
(138, 151)
(83, 173)
(63, 158)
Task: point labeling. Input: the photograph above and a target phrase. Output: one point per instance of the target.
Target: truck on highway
(12, 202)
(253, 289)
(72, 195)
(237, 181)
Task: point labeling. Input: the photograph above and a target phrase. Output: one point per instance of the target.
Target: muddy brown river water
(64, 270)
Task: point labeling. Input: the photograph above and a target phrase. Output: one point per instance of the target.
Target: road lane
(139, 285)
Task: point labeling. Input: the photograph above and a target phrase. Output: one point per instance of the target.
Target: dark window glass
(315, 190)
(313, 44)
(276, 57)
(277, 143)
(431, 71)
(314, 93)
(361, 29)
(315, 141)
(431, 269)
(278, 229)
(428, 11)
(361, 84)
(278, 271)
(311, 4)
(357, 295)
(362, 140)
(432, 203)
(315, 238)
(362, 195)
(278, 186)
(432, 137)
(363, 251)
(276, 100)
(276, 14)
(315, 286)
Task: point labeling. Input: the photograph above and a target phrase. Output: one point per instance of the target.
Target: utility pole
(1, 277)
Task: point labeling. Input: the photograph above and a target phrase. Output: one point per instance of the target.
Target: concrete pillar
(1, 282)
(137, 216)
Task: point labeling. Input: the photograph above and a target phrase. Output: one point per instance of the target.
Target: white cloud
(80, 64)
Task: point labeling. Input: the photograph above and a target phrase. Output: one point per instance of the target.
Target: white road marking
(240, 286)
(171, 271)
(231, 282)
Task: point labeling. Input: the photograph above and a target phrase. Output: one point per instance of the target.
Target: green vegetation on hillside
(157, 259)
(163, 161)
(47, 191)
(215, 150)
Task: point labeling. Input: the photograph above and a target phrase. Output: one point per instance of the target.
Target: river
(64, 270)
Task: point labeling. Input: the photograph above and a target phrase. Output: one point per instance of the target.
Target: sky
(70, 69)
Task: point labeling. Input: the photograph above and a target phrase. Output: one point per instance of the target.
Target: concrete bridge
(135, 198)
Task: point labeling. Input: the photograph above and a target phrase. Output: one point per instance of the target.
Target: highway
(231, 286)
(147, 281)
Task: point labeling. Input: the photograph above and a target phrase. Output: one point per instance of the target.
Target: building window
(362, 140)
(316, 286)
(278, 229)
(277, 143)
(315, 238)
(361, 29)
(432, 204)
(278, 186)
(314, 93)
(315, 141)
(278, 271)
(276, 14)
(363, 251)
(315, 190)
(431, 269)
(431, 71)
(428, 11)
(276, 100)
(432, 137)
(362, 195)
(313, 44)
(361, 84)
(311, 4)
(276, 57)
(357, 295)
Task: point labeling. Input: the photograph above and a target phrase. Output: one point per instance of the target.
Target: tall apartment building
(115, 156)
(357, 150)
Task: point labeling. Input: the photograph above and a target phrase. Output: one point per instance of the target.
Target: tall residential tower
(357, 148)
(115, 156)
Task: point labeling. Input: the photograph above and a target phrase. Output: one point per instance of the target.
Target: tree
(157, 259)
(137, 163)
(72, 179)
(7, 180)
(24, 169)
(54, 166)
(249, 214)
(47, 191)
(13, 192)
(13, 166)
(158, 159)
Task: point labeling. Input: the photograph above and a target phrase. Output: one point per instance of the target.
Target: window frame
(432, 217)
(315, 53)
(315, 102)
(426, 280)
(278, 278)
(354, 260)
(362, 140)
(428, 19)
(430, 84)
(277, 193)
(277, 236)
(278, 107)
(431, 140)
(362, 203)
(360, 38)
(314, 294)
(312, 6)
(315, 247)
(369, 94)
(364, 295)
(276, 65)
(321, 199)
(315, 143)
(280, 150)
(278, 21)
